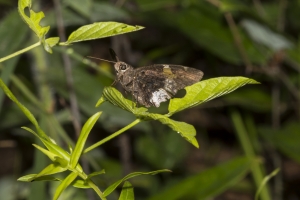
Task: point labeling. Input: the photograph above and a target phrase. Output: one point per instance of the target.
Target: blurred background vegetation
(258, 39)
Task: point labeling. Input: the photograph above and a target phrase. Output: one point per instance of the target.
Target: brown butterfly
(151, 85)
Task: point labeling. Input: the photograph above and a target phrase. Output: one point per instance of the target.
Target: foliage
(256, 39)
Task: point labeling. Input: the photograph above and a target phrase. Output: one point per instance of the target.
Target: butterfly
(153, 84)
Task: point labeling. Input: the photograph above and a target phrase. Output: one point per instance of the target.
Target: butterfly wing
(157, 83)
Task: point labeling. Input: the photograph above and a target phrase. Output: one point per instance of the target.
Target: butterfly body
(151, 85)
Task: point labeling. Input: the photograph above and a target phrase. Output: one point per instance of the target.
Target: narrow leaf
(34, 19)
(30, 177)
(127, 192)
(64, 184)
(112, 187)
(50, 155)
(100, 30)
(53, 168)
(82, 139)
(96, 173)
(27, 113)
(207, 90)
(264, 182)
(81, 184)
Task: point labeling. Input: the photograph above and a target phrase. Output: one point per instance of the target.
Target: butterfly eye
(122, 67)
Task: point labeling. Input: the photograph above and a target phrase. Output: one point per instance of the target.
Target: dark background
(255, 39)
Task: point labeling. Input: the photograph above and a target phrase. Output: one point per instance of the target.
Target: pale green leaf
(87, 127)
(264, 182)
(34, 19)
(64, 184)
(53, 168)
(30, 177)
(49, 43)
(81, 184)
(100, 30)
(127, 192)
(112, 187)
(207, 90)
(51, 155)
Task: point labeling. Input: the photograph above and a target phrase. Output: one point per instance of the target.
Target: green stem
(20, 52)
(242, 133)
(135, 122)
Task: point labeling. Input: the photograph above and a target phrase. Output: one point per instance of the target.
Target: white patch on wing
(159, 96)
(166, 66)
(170, 86)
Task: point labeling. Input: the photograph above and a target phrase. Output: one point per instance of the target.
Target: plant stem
(20, 52)
(135, 122)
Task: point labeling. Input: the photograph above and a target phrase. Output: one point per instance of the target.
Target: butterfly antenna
(101, 59)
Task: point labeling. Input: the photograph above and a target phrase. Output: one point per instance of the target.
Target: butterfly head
(122, 67)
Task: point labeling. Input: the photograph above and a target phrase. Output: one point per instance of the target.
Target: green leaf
(51, 155)
(127, 192)
(187, 131)
(208, 183)
(34, 19)
(100, 30)
(207, 90)
(28, 114)
(264, 182)
(112, 187)
(115, 97)
(82, 139)
(53, 168)
(49, 43)
(30, 177)
(64, 184)
(96, 173)
(81, 184)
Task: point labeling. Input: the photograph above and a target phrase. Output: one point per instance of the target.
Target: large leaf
(82, 139)
(207, 90)
(115, 97)
(208, 183)
(34, 19)
(100, 30)
(112, 187)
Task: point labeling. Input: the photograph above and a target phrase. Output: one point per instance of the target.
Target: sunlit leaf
(127, 192)
(30, 178)
(81, 184)
(64, 184)
(207, 90)
(87, 127)
(185, 130)
(34, 19)
(100, 30)
(112, 187)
